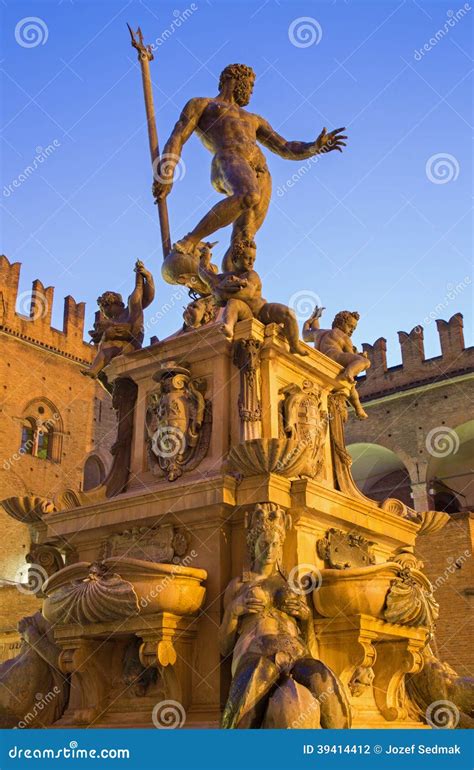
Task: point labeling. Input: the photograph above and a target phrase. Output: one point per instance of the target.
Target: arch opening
(450, 470)
(94, 473)
(380, 473)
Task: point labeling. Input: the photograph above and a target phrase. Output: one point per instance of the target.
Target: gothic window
(42, 431)
(42, 444)
(27, 437)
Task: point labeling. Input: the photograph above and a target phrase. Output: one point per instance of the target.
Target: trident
(145, 56)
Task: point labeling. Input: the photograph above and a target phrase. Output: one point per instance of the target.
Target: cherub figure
(336, 343)
(199, 312)
(268, 627)
(240, 291)
(119, 329)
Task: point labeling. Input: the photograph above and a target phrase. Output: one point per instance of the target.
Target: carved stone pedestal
(96, 658)
(372, 658)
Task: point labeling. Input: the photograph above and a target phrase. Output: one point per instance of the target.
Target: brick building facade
(418, 446)
(57, 426)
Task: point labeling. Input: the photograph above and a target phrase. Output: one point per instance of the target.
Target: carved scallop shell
(269, 455)
(410, 600)
(95, 599)
(28, 509)
(392, 505)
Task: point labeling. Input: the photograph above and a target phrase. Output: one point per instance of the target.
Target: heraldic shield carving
(303, 419)
(178, 422)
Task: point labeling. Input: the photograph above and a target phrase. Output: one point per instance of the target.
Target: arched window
(27, 438)
(41, 431)
(380, 473)
(42, 443)
(449, 473)
(94, 473)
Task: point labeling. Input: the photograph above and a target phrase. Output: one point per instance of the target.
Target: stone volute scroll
(178, 422)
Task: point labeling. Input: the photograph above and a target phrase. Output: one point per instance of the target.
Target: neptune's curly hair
(241, 73)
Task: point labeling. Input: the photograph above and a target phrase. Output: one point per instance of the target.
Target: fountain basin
(359, 591)
(120, 588)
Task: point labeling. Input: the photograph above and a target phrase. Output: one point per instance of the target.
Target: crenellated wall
(419, 441)
(415, 369)
(32, 321)
(41, 383)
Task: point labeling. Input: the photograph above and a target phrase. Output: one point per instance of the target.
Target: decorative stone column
(421, 500)
(247, 359)
(418, 478)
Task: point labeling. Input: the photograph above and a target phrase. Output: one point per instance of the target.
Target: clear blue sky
(366, 230)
